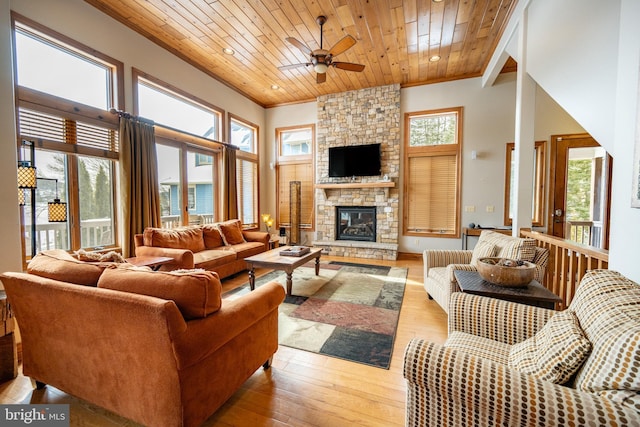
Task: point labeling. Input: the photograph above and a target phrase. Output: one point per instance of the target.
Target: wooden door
(580, 190)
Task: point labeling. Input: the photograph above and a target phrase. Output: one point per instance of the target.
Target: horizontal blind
(302, 172)
(432, 194)
(56, 129)
(247, 182)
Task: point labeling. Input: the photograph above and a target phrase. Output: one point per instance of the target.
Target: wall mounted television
(354, 160)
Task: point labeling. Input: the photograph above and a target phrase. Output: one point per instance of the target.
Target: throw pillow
(212, 237)
(57, 264)
(231, 232)
(519, 248)
(555, 353)
(197, 293)
(481, 250)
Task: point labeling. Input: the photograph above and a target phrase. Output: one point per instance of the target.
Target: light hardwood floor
(301, 388)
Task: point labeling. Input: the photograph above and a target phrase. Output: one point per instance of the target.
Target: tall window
(244, 135)
(432, 173)
(295, 163)
(64, 93)
(187, 160)
(538, 184)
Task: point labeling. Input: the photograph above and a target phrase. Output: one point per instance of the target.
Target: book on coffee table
(295, 251)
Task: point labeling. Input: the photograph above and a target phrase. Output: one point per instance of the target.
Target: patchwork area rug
(349, 311)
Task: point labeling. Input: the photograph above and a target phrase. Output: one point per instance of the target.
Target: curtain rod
(142, 119)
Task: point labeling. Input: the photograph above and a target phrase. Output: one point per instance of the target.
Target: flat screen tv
(354, 160)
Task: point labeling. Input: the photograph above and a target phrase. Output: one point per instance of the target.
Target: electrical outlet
(490, 208)
(469, 208)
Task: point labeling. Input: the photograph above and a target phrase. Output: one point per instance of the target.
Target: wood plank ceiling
(395, 40)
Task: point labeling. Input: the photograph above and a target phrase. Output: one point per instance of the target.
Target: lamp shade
(57, 211)
(320, 68)
(26, 175)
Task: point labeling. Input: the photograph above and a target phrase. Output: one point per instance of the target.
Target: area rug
(349, 311)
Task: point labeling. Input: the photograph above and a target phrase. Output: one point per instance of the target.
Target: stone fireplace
(356, 223)
(360, 117)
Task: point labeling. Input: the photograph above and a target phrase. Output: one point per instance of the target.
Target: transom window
(432, 173)
(47, 66)
(174, 110)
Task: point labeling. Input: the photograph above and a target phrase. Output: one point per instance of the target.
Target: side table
(8, 349)
(533, 294)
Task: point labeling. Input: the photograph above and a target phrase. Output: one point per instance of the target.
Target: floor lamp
(294, 212)
(28, 180)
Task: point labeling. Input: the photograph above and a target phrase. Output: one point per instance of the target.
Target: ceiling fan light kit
(322, 59)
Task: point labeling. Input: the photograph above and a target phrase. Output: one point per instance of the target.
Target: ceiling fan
(321, 59)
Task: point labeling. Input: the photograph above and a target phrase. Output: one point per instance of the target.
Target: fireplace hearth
(356, 223)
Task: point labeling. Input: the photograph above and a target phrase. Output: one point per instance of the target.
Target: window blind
(432, 194)
(302, 172)
(96, 140)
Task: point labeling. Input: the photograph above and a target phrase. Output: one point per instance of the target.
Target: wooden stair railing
(568, 262)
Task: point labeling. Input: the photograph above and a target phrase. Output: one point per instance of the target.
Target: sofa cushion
(481, 347)
(555, 352)
(607, 305)
(57, 264)
(197, 293)
(246, 249)
(482, 249)
(212, 236)
(211, 258)
(190, 238)
(231, 232)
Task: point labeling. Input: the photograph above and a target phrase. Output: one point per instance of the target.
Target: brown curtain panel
(230, 188)
(138, 180)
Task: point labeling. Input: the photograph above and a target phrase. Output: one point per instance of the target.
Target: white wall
(9, 219)
(625, 224)
(571, 47)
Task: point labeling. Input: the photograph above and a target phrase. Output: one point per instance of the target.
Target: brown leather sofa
(166, 360)
(220, 247)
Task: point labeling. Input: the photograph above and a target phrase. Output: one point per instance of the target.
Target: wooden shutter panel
(302, 172)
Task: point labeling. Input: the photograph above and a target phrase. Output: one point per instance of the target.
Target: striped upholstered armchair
(439, 265)
(509, 364)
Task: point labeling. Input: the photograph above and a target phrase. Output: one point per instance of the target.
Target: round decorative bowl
(506, 272)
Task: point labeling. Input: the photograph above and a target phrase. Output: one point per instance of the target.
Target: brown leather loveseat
(220, 247)
(159, 348)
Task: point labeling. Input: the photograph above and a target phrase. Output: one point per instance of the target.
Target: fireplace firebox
(356, 223)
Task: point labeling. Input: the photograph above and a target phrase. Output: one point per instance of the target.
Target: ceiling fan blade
(321, 77)
(349, 66)
(292, 66)
(343, 44)
(297, 43)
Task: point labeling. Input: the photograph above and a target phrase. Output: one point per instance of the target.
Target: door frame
(555, 174)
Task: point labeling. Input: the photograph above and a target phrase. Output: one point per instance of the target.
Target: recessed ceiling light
(437, 1)
(228, 51)
(434, 58)
(275, 87)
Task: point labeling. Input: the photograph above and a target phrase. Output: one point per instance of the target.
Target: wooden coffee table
(533, 294)
(273, 259)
